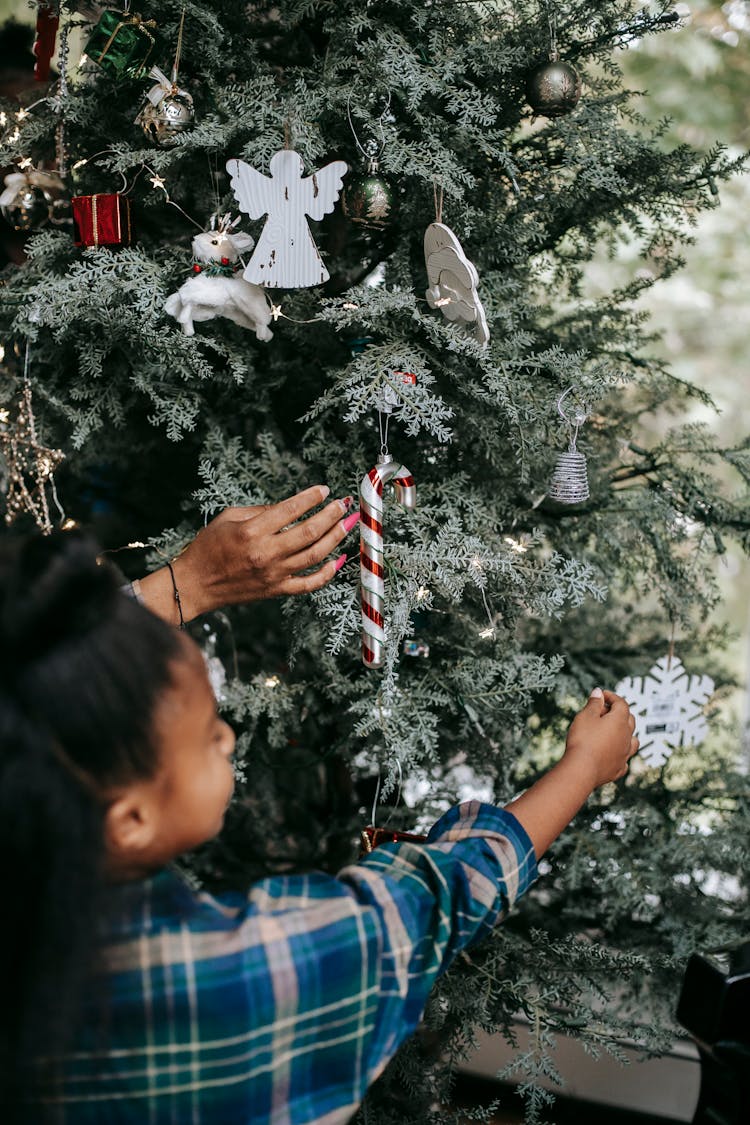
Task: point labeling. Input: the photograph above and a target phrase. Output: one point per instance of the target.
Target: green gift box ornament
(121, 43)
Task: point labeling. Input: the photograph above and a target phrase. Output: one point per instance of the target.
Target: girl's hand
(246, 554)
(599, 746)
(600, 740)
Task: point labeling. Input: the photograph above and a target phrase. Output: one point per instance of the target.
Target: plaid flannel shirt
(280, 1007)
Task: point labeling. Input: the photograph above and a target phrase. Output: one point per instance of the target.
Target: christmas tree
(507, 595)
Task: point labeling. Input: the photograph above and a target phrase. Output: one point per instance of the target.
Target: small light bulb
(272, 681)
(476, 563)
(516, 545)
(422, 593)
(486, 634)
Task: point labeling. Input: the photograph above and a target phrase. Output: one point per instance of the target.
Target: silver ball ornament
(29, 209)
(172, 115)
(553, 88)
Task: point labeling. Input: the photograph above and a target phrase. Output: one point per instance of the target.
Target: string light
(476, 563)
(26, 457)
(272, 681)
(516, 545)
(422, 593)
(486, 634)
(158, 181)
(27, 162)
(3, 118)
(22, 114)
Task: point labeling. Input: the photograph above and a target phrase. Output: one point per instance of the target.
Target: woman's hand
(246, 554)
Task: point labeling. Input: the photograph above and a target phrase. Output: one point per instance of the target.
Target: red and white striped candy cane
(371, 548)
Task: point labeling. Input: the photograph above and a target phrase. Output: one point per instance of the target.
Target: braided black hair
(81, 669)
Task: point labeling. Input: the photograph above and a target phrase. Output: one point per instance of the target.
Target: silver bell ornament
(570, 483)
(168, 112)
(28, 198)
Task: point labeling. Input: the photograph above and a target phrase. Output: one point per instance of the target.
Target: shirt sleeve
(431, 901)
(132, 590)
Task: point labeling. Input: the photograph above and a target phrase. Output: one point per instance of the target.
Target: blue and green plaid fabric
(281, 1007)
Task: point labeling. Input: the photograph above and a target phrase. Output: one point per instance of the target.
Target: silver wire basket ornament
(570, 482)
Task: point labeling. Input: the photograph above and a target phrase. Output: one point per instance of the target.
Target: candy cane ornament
(371, 549)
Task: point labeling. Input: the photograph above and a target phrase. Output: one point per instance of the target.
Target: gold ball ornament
(172, 115)
(553, 88)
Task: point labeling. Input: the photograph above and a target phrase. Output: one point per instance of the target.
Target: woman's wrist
(157, 592)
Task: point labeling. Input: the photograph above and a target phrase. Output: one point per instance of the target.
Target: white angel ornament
(286, 256)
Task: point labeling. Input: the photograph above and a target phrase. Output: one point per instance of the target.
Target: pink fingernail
(350, 521)
(340, 562)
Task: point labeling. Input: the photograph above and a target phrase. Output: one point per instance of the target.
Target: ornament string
(371, 155)
(670, 654)
(178, 50)
(438, 192)
(552, 20)
(396, 803)
(575, 423)
(383, 425)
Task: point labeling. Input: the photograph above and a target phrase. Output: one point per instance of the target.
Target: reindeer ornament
(217, 288)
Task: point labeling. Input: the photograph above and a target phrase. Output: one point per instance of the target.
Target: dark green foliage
(161, 428)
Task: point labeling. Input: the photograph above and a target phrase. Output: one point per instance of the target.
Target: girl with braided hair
(127, 996)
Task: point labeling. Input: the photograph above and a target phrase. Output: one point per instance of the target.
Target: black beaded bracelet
(176, 594)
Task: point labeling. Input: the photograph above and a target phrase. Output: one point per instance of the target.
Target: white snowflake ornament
(286, 256)
(668, 708)
(453, 280)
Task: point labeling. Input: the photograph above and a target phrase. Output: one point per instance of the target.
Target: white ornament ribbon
(164, 86)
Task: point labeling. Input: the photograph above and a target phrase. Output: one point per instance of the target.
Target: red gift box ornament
(102, 220)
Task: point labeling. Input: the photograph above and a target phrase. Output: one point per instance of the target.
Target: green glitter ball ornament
(368, 198)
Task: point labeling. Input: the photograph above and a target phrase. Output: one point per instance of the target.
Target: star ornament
(668, 706)
(29, 465)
